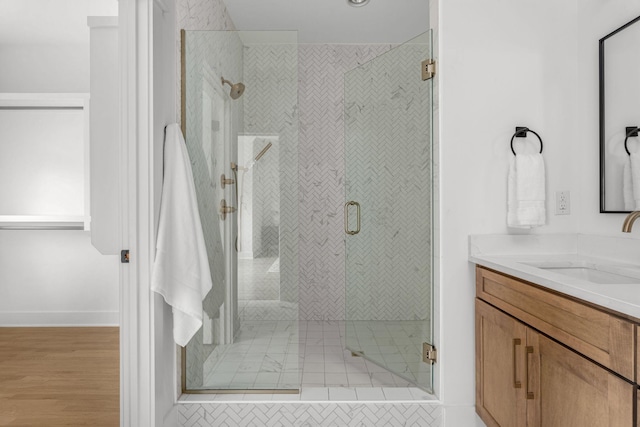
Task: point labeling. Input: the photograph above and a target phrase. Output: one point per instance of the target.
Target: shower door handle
(346, 217)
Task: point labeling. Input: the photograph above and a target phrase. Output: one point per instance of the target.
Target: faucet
(629, 220)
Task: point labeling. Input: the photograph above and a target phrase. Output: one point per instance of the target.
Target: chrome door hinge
(429, 353)
(428, 69)
(124, 256)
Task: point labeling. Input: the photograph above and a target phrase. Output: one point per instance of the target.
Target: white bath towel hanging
(526, 195)
(634, 161)
(181, 269)
(627, 186)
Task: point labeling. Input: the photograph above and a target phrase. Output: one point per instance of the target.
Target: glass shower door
(208, 129)
(388, 211)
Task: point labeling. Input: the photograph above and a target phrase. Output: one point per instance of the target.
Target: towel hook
(521, 132)
(630, 131)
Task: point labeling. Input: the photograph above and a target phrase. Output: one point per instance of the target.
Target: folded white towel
(526, 191)
(627, 186)
(181, 269)
(634, 160)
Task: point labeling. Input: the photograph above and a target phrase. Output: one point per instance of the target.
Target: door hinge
(124, 256)
(429, 353)
(428, 69)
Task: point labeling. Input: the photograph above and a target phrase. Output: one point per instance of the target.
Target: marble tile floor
(306, 354)
(393, 344)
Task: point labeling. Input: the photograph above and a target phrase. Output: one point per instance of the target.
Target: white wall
(530, 63)
(502, 64)
(56, 277)
(52, 277)
(44, 68)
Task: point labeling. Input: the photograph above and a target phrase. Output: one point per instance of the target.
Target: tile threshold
(418, 396)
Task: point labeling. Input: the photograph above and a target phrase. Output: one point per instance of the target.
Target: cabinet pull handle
(516, 383)
(529, 350)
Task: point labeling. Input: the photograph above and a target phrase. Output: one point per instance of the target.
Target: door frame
(137, 382)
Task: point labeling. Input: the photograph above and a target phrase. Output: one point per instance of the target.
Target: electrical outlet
(563, 202)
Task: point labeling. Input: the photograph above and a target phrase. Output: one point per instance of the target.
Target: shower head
(236, 89)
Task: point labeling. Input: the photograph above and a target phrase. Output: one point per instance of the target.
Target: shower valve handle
(225, 209)
(224, 181)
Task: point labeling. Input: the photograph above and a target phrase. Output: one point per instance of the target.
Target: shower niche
(258, 197)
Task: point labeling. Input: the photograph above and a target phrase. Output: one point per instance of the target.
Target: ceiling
(50, 21)
(317, 21)
(334, 21)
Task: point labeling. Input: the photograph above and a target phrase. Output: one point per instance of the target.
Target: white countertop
(514, 255)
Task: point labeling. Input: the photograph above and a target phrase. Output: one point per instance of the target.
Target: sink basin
(586, 271)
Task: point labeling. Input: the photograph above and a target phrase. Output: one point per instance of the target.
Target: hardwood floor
(59, 376)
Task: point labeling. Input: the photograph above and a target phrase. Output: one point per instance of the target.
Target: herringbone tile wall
(322, 255)
(388, 157)
(271, 108)
(310, 414)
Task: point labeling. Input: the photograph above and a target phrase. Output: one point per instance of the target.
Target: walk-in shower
(244, 147)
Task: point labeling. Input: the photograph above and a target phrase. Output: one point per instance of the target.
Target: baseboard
(60, 318)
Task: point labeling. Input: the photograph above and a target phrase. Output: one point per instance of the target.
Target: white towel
(526, 191)
(634, 160)
(627, 186)
(181, 269)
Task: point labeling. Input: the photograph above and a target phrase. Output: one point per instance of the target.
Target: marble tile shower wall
(321, 168)
(388, 153)
(321, 179)
(199, 15)
(271, 108)
(266, 203)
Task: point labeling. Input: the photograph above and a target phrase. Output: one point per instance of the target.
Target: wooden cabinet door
(638, 408)
(569, 390)
(499, 367)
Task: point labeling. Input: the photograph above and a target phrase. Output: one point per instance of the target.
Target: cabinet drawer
(598, 335)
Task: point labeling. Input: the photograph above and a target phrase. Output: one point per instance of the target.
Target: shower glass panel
(388, 214)
(242, 137)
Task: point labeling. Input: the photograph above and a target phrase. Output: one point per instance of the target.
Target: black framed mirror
(620, 118)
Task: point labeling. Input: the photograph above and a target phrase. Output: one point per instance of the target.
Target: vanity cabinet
(499, 367)
(531, 366)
